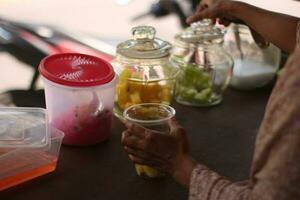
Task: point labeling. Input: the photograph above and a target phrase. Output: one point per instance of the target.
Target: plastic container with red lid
(79, 92)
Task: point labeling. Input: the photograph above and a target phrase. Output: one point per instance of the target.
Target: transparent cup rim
(171, 110)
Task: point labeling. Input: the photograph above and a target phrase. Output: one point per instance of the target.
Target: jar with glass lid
(205, 65)
(145, 72)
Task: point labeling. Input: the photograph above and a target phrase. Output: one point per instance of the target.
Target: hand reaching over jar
(225, 20)
(205, 4)
(265, 25)
(217, 10)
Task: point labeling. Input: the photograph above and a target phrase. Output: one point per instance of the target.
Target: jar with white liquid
(254, 66)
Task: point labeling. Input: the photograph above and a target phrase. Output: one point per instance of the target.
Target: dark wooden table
(221, 137)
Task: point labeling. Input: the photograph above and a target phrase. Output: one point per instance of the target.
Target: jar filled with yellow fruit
(145, 73)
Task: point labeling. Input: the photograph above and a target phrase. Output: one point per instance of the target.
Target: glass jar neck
(141, 62)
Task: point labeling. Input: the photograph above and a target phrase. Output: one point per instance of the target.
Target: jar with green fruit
(146, 74)
(206, 67)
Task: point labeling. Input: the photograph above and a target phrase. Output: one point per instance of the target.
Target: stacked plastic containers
(28, 146)
(79, 93)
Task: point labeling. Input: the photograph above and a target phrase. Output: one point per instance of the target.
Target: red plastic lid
(78, 70)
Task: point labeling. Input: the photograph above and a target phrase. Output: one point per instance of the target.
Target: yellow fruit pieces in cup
(147, 172)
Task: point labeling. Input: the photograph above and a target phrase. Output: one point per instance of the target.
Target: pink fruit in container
(79, 93)
(85, 124)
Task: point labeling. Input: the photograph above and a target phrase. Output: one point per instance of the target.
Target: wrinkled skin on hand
(159, 150)
(215, 10)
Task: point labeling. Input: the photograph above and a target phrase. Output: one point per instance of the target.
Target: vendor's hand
(166, 152)
(223, 10)
(205, 4)
(215, 9)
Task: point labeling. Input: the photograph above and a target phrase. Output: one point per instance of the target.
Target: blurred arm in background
(277, 28)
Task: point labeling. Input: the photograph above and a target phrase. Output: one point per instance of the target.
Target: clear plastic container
(146, 74)
(24, 159)
(205, 65)
(23, 128)
(79, 92)
(153, 116)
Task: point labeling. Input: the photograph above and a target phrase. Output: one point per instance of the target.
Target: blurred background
(110, 20)
(107, 20)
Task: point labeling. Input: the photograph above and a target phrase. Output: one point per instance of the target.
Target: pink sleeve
(208, 185)
(276, 164)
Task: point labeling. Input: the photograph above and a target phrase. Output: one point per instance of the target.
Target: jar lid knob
(202, 24)
(143, 33)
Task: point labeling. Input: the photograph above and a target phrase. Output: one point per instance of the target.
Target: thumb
(174, 126)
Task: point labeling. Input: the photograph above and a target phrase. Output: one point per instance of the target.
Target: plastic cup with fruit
(153, 116)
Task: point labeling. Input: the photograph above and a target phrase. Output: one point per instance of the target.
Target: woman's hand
(205, 4)
(166, 152)
(223, 10)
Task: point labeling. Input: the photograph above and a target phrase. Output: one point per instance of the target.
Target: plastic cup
(153, 116)
(79, 92)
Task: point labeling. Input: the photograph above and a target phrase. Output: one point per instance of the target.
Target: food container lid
(201, 32)
(144, 45)
(77, 70)
(23, 128)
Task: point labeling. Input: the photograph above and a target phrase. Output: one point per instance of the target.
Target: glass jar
(205, 65)
(254, 66)
(145, 72)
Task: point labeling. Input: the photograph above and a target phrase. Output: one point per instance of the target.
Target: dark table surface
(221, 137)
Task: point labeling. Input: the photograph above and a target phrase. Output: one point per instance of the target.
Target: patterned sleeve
(276, 164)
(208, 185)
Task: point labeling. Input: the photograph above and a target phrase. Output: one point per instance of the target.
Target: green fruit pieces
(203, 96)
